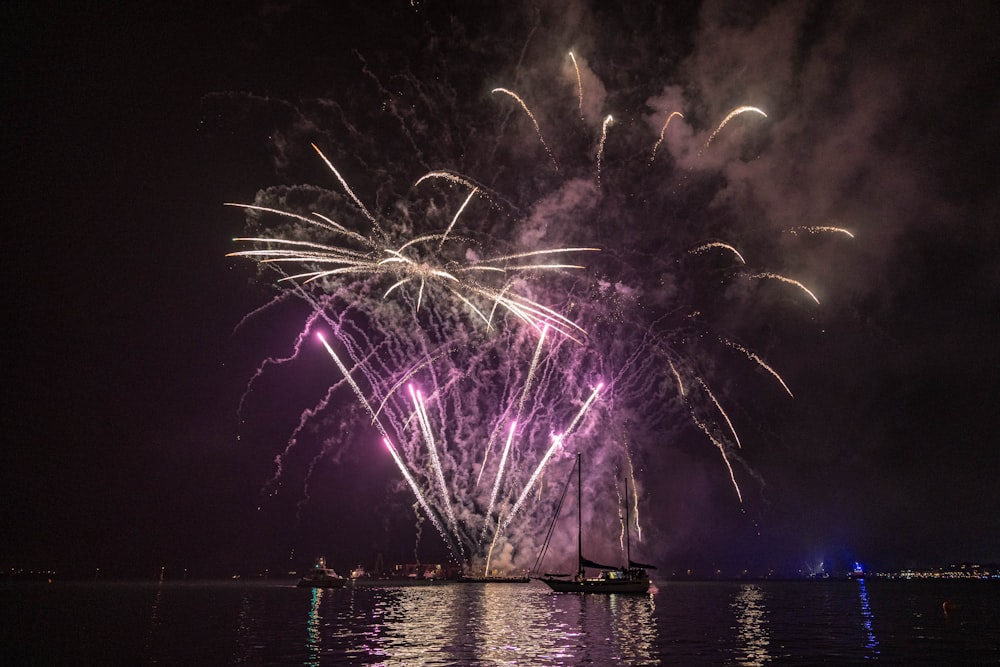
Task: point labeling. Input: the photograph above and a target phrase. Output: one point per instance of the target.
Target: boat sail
(631, 578)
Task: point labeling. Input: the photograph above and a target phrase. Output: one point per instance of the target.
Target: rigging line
(555, 517)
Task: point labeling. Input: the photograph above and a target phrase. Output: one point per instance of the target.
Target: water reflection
(512, 628)
(371, 632)
(245, 629)
(415, 625)
(154, 618)
(482, 624)
(634, 627)
(752, 627)
(314, 638)
(871, 643)
(604, 629)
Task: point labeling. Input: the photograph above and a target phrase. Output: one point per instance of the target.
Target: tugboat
(631, 578)
(321, 576)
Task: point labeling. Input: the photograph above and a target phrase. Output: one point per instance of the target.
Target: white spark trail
(718, 244)
(775, 276)
(500, 471)
(350, 380)
(579, 85)
(760, 362)
(732, 429)
(531, 370)
(457, 214)
(467, 181)
(397, 284)
(538, 130)
(416, 490)
(330, 225)
(532, 253)
(635, 495)
(677, 376)
(816, 229)
(425, 426)
(403, 380)
(583, 409)
(448, 176)
(531, 312)
(732, 114)
(349, 191)
(600, 147)
(472, 307)
(722, 450)
(663, 131)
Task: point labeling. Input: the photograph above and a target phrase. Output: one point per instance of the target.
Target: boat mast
(579, 521)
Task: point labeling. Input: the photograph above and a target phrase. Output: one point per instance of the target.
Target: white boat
(321, 576)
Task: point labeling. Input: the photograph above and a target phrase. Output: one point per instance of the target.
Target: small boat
(630, 578)
(321, 576)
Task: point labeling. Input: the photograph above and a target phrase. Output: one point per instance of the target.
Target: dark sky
(125, 129)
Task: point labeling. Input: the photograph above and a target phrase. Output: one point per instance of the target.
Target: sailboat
(631, 578)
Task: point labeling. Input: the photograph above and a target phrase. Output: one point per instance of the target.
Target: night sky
(126, 129)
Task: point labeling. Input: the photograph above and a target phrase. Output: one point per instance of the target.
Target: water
(679, 623)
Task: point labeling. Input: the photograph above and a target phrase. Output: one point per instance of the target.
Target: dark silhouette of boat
(426, 574)
(494, 579)
(321, 576)
(630, 578)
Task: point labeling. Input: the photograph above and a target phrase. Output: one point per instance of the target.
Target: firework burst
(476, 324)
(421, 262)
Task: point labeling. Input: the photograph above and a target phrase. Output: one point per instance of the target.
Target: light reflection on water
(633, 628)
(687, 623)
(419, 625)
(154, 618)
(245, 630)
(315, 637)
(866, 615)
(752, 627)
(479, 624)
(508, 633)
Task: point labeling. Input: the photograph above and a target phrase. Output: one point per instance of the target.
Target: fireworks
(818, 229)
(790, 281)
(534, 121)
(663, 131)
(717, 244)
(579, 83)
(407, 266)
(600, 150)
(481, 291)
(725, 121)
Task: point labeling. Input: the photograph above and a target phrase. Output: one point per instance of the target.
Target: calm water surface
(718, 623)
